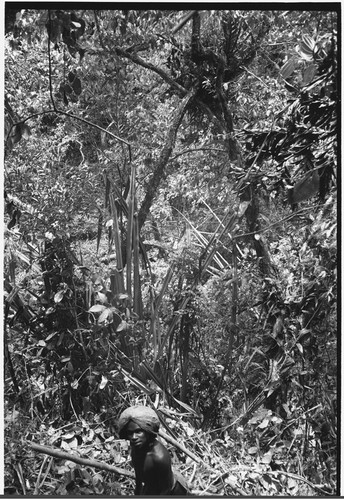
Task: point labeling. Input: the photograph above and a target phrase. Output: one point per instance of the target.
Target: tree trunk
(160, 172)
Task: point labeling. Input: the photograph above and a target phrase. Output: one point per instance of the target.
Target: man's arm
(138, 474)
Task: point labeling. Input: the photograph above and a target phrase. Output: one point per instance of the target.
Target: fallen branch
(54, 452)
(175, 443)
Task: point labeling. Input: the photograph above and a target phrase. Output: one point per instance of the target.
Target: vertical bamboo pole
(138, 308)
(131, 207)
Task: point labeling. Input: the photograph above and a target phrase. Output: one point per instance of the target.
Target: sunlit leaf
(106, 315)
(264, 424)
(75, 384)
(123, 326)
(69, 435)
(97, 308)
(103, 382)
(26, 131)
(266, 459)
(59, 296)
(252, 450)
(300, 348)
(102, 297)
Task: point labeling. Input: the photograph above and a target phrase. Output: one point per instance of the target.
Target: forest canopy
(171, 240)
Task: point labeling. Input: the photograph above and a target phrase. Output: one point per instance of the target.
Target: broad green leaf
(77, 86)
(116, 319)
(106, 315)
(309, 74)
(307, 45)
(288, 68)
(17, 133)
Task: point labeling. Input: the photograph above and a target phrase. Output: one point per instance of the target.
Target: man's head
(138, 437)
(139, 424)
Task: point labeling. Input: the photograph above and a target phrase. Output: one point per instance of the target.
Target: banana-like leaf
(136, 382)
(116, 233)
(100, 229)
(107, 191)
(27, 261)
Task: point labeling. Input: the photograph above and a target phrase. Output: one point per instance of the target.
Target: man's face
(138, 438)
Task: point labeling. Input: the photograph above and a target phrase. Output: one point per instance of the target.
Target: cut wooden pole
(54, 452)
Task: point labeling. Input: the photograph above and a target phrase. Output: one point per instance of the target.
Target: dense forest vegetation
(170, 240)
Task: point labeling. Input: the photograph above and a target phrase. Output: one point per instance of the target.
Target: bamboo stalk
(138, 307)
(130, 229)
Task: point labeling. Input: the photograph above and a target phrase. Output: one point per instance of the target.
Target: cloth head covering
(144, 417)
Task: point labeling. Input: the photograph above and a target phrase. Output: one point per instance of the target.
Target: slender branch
(255, 76)
(98, 28)
(197, 149)
(178, 445)
(285, 219)
(74, 117)
(50, 70)
(141, 62)
(36, 491)
(183, 21)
